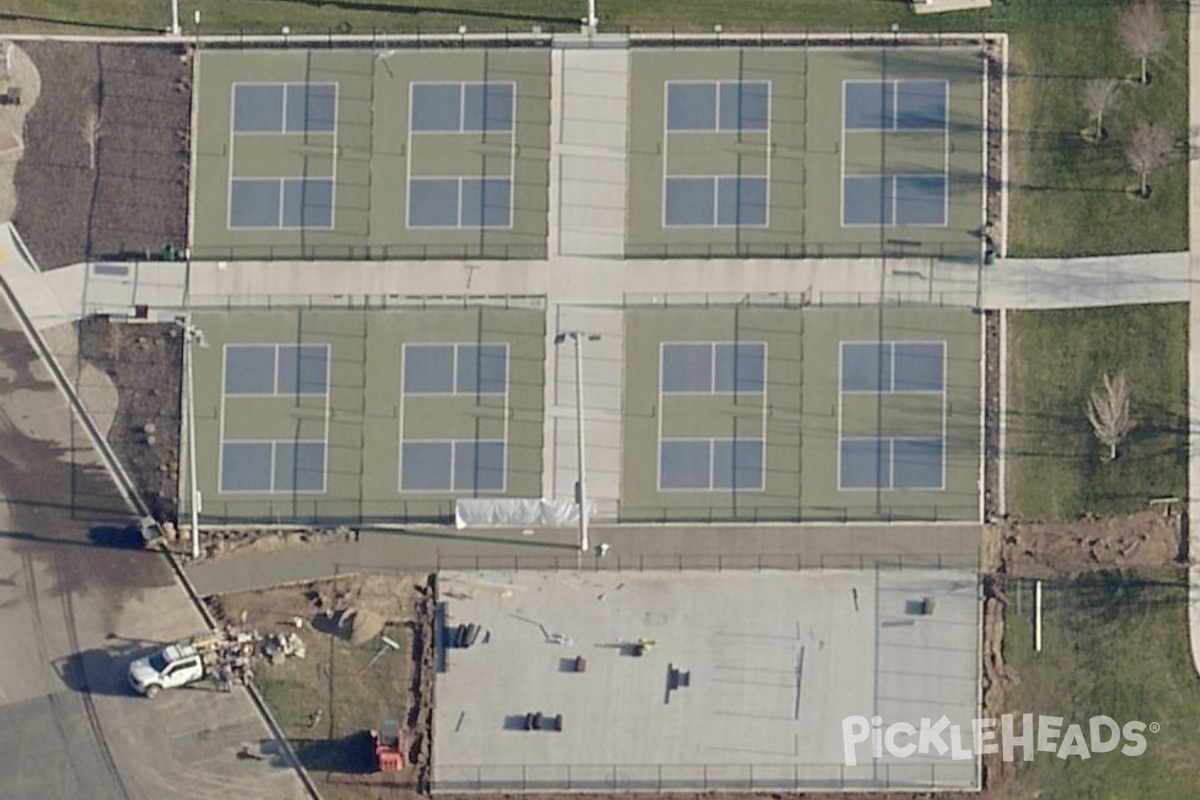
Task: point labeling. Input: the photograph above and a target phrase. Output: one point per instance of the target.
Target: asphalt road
(77, 603)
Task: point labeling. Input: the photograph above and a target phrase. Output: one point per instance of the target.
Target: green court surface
(814, 414)
(737, 414)
(350, 416)
(806, 152)
(361, 154)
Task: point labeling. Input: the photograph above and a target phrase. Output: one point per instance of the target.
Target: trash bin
(989, 257)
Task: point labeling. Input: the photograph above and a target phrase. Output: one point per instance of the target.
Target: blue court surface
(903, 384)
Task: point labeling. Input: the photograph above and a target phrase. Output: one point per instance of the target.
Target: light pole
(592, 22)
(578, 338)
(175, 18)
(192, 336)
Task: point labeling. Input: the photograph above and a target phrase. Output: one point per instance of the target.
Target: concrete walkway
(631, 548)
(82, 289)
(38, 299)
(1088, 282)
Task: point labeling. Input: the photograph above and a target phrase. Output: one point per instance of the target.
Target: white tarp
(515, 512)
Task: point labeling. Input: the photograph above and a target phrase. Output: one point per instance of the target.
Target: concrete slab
(1088, 282)
(602, 369)
(744, 681)
(28, 285)
(589, 134)
(942, 6)
(118, 289)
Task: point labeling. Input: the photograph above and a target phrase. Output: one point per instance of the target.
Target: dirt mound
(1043, 550)
(363, 625)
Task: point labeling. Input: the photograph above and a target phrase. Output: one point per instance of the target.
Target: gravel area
(145, 363)
(126, 196)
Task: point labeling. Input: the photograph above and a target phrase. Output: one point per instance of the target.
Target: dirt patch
(1043, 550)
(145, 363)
(225, 542)
(991, 415)
(105, 166)
(327, 702)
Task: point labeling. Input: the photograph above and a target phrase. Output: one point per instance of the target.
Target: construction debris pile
(230, 652)
(279, 646)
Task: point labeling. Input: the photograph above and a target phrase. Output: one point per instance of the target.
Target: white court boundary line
(717, 83)
(891, 440)
(283, 131)
(462, 131)
(222, 441)
(712, 440)
(504, 443)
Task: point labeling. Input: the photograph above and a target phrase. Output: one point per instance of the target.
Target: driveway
(76, 604)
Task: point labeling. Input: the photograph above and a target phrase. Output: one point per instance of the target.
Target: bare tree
(1150, 149)
(91, 134)
(1100, 95)
(1108, 411)
(1143, 32)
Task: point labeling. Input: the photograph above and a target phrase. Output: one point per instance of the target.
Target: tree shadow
(354, 754)
(76, 23)
(414, 10)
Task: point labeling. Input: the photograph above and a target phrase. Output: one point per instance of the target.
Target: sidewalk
(36, 298)
(1088, 282)
(630, 548)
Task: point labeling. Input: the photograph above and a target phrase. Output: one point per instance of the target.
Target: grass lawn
(1055, 359)
(1113, 644)
(349, 704)
(1068, 196)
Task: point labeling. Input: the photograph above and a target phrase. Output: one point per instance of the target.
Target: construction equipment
(388, 754)
(225, 654)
